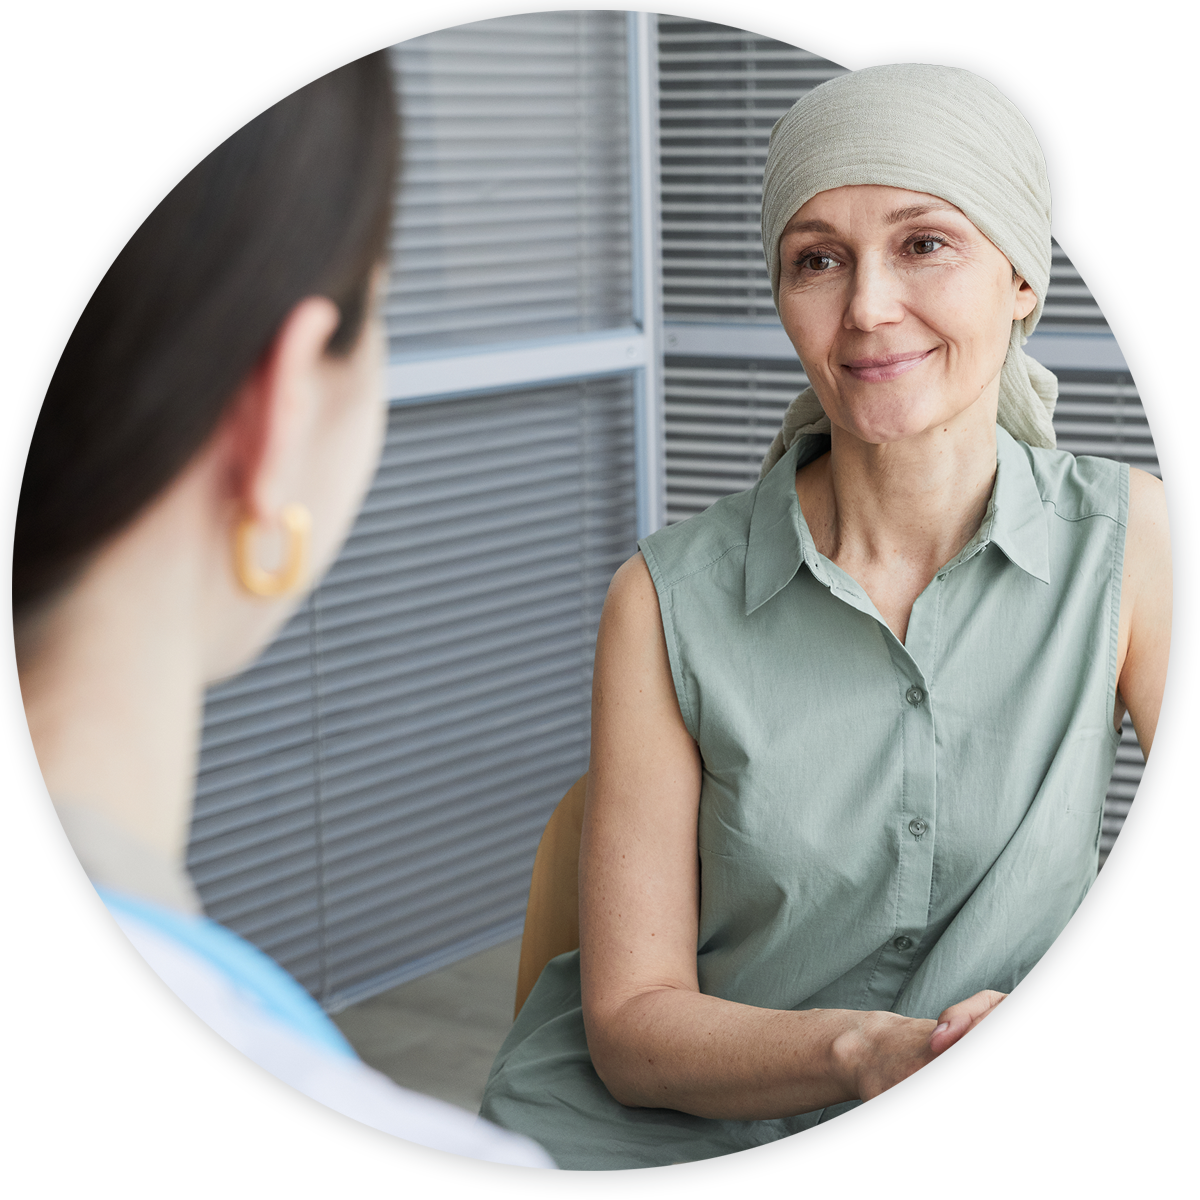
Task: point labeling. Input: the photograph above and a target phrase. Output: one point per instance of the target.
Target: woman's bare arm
(655, 1040)
(1145, 623)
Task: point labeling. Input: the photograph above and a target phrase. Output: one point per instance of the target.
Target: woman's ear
(1025, 300)
(266, 423)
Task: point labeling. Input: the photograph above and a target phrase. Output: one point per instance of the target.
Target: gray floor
(440, 1033)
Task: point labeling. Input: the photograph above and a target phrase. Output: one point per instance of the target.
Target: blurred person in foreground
(205, 442)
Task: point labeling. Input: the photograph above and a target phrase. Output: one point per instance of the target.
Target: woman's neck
(113, 693)
(892, 515)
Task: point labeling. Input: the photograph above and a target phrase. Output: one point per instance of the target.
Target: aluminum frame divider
(418, 377)
(647, 269)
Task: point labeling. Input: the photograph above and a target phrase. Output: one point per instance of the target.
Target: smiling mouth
(888, 366)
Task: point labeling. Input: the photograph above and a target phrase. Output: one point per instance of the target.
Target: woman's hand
(882, 1049)
(961, 1017)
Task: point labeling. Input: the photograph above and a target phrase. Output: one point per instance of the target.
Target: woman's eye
(818, 262)
(927, 245)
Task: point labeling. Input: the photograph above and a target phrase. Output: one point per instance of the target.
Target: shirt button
(902, 943)
(917, 827)
(914, 695)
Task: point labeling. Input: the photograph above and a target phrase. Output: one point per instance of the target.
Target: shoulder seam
(705, 565)
(1086, 516)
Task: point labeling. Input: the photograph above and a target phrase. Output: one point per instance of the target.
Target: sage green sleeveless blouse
(882, 825)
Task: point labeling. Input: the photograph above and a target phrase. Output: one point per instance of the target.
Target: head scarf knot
(938, 130)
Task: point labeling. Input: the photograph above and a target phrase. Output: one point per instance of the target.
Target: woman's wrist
(876, 1050)
(847, 1051)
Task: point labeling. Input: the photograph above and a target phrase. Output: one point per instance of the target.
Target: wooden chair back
(552, 914)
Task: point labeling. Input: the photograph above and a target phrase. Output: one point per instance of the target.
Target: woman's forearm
(676, 1048)
(655, 1039)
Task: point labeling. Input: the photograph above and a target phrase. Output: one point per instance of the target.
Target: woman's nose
(875, 296)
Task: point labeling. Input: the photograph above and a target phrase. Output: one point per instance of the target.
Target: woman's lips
(888, 366)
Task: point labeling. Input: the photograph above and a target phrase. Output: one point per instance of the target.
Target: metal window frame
(418, 377)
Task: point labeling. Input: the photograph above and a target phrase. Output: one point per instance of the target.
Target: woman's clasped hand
(880, 1049)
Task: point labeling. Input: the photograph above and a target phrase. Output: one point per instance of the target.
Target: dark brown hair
(296, 203)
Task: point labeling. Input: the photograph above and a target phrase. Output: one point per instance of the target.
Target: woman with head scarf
(852, 729)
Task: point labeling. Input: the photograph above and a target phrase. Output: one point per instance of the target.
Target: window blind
(516, 215)
(720, 92)
(372, 792)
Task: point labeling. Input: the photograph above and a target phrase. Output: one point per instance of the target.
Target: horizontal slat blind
(722, 414)
(515, 222)
(1100, 412)
(254, 853)
(721, 91)
(371, 794)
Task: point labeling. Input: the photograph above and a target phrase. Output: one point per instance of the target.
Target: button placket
(918, 808)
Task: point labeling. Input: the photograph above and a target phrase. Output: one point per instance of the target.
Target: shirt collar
(780, 542)
(779, 538)
(1019, 525)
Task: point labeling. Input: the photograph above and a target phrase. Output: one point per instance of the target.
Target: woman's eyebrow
(893, 218)
(916, 210)
(809, 227)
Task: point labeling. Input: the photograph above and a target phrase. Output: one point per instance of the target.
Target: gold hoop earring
(290, 576)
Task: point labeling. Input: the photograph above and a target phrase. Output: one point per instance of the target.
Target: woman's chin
(883, 432)
(886, 422)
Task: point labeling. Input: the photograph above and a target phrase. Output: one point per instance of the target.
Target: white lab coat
(101, 1084)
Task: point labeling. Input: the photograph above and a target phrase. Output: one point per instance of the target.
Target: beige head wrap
(929, 129)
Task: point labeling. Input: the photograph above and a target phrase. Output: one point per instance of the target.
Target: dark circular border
(1050, 971)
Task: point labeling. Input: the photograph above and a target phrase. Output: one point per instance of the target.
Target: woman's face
(899, 308)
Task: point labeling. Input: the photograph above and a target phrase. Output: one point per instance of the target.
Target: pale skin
(113, 670)
(900, 310)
